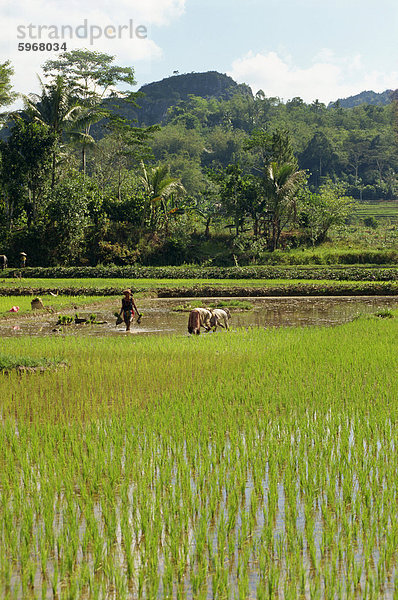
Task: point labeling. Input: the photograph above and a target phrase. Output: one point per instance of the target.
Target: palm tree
(281, 183)
(80, 130)
(54, 108)
(163, 191)
(7, 96)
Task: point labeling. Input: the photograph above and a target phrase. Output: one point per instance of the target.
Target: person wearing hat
(128, 307)
(23, 259)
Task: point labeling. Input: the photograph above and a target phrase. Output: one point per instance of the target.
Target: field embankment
(370, 269)
(211, 281)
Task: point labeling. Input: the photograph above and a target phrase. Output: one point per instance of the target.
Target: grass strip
(51, 303)
(372, 266)
(10, 362)
(195, 287)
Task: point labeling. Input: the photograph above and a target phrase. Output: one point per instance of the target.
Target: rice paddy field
(52, 303)
(259, 463)
(141, 284)
(382, 210)
(146, 284)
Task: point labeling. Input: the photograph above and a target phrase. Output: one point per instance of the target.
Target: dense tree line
(270, 174)
(356, 146)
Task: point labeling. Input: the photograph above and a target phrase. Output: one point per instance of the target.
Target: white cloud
(326, 79)
(157, 12)
(128, 49)
(149, 12)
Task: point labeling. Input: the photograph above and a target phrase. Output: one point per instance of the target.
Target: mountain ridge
(162, 95)
(365, 97)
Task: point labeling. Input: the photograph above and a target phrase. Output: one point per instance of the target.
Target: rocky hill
(159, 96)
(367, 97)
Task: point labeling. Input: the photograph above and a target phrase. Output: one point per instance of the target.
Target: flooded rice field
(164, 316)
(255, 469)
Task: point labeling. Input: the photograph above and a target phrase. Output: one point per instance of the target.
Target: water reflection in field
(160, 317)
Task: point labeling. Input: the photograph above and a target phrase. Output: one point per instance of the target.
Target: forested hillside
(198, 165)
(367, 97)
(356, 146)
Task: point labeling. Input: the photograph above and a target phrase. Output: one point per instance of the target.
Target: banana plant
(164, 194)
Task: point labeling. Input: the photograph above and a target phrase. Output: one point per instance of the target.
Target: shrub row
(352, 257)
(337, 272)
(297, 289)
(336, 289)
(72, 291)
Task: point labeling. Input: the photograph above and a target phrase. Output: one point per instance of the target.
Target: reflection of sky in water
(159, 318)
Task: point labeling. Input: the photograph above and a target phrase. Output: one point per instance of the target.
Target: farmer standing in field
(128, 306)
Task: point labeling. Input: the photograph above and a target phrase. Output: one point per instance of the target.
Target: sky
(315, 49)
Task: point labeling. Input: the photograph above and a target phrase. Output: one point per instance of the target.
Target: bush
(335, 272)
(117, 254)
(371, 222)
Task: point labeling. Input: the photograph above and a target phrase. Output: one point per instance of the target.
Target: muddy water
(160, 319)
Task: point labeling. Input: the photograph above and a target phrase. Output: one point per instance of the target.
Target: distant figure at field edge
(218, 315)
(3, 262)
(23, 258)
(199, 317)
(128, 306)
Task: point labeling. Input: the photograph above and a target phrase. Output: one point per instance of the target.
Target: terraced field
(379, 210)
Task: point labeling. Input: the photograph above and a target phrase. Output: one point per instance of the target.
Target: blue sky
(308, 48)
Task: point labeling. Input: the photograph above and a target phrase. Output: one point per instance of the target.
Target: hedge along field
(370, 270)
(138, 472)
(197, 287)
(116, 286)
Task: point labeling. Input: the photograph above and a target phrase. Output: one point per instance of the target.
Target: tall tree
(320, 211)
(91, 77)
(356, 147)
(208, 204)
(55, 108)
(130, 143)
(68, 217)
(281, 186)
(270, 147)
(160, 188)
(7, 96)
(236, 193)
(319, 157)
(26, 162)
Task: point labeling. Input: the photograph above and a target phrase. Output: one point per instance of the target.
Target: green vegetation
(385, 314)
(258, 281)
(324, 266)
(256, 464)
(228, 179)
(378, 210)
(77, 320)
(284, 288)
(7, 96)
(65, 320)
(233, 304)
(10, 363)
(51, 303)
(272, 476)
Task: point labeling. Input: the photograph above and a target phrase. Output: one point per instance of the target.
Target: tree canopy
(78, 160)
